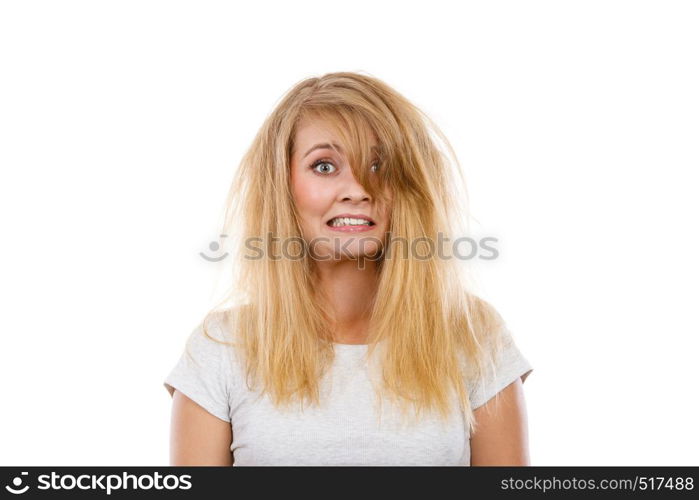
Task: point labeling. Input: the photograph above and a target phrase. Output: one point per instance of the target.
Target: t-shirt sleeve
(203, 374)
(510, 364)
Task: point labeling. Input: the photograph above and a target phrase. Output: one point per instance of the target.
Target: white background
(121, 124)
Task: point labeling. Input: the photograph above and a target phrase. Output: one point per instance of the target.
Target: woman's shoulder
(502, 362)
(487, 322)
(215, 335)
(490, 338)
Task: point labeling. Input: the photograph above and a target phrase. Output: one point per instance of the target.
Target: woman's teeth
(345, 221)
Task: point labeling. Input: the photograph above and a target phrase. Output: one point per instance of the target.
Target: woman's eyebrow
(324, 145)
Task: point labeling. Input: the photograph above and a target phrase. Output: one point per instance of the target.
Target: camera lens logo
(17, 482)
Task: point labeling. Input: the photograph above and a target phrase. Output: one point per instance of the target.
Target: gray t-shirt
(345, 430)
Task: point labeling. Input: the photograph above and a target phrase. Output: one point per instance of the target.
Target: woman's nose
(352, 190)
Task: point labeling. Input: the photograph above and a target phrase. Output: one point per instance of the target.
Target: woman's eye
(323, 163)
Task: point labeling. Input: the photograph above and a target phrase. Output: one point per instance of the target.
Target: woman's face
(324, 188)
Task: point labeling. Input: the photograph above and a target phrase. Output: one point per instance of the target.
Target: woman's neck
(349, 292)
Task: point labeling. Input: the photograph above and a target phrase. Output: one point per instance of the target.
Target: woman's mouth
(350, 224)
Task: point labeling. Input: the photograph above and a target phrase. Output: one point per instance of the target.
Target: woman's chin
(348, 255)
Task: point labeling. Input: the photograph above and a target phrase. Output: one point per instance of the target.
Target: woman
(348, 341)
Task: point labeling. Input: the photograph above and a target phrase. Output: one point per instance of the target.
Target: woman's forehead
(318, 131)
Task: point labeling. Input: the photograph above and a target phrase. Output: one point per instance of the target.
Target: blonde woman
(345, 340)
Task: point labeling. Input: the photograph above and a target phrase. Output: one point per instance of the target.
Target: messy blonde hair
(433, 332)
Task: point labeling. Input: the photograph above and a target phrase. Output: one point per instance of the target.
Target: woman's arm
(501, 436)
(196, 436)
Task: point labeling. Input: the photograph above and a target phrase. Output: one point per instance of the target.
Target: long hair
(433, 332)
